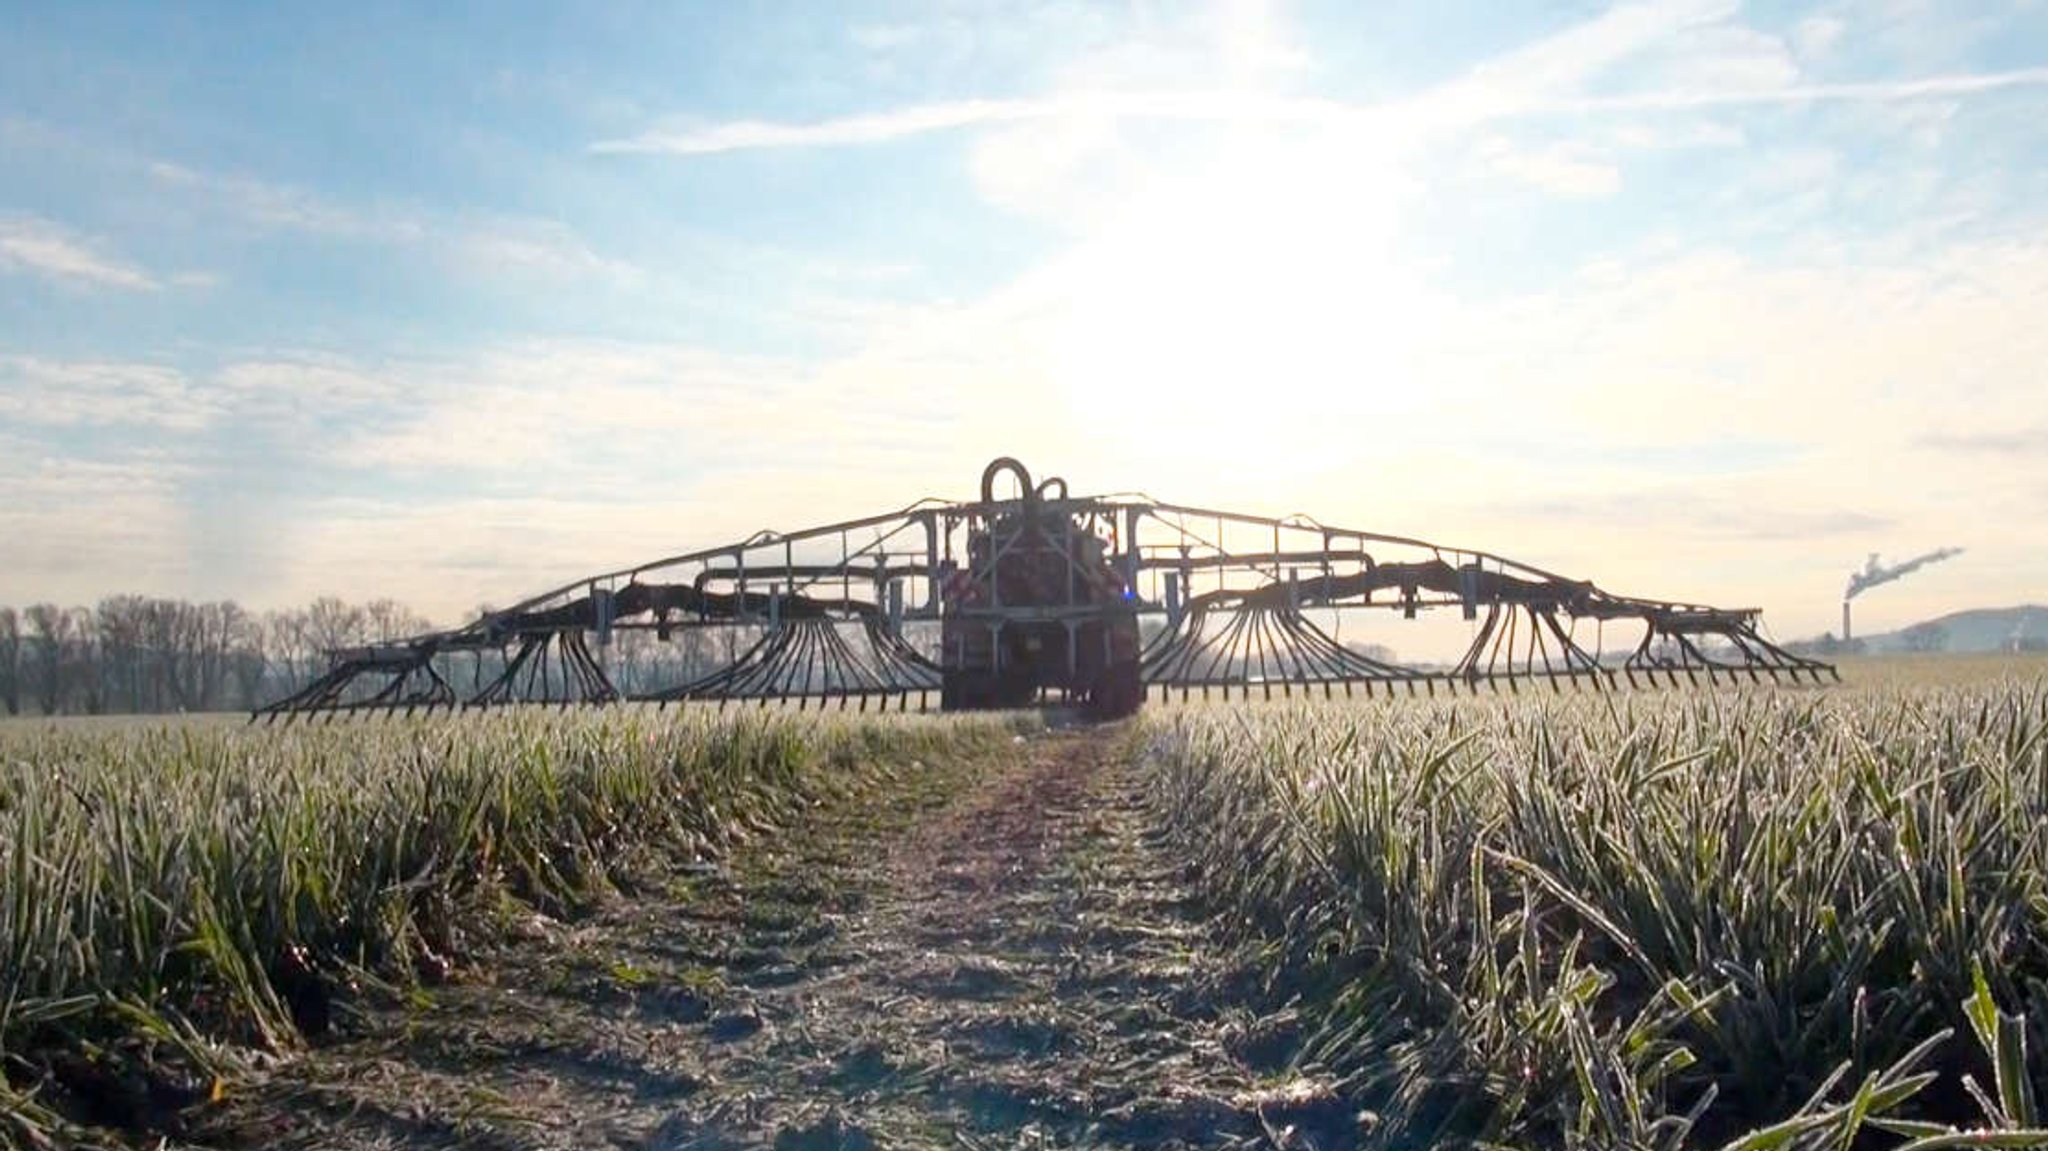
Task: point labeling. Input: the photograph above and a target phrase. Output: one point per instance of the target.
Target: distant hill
(1976, 630)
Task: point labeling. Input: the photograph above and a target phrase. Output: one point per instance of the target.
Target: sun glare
(1270, 266)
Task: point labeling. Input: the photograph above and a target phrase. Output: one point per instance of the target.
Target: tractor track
(990, 954)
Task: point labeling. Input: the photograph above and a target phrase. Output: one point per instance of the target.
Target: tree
(250, 661)
(10, 661)
(289, 647)
(207, 639)
(165, 626)
(83, 682)
(1376, 651)
(49, 629)
(133, 653)
(385, 620)
(332, 624)
(124, 663)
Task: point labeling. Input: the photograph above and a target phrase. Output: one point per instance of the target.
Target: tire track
(997, 956)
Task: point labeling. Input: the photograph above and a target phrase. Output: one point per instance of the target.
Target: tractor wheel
(1118, 693)
(966, 691)
(1014, 690)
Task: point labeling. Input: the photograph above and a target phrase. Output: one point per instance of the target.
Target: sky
(453, 303)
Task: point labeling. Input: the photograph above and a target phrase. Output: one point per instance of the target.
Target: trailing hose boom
(1010, 599)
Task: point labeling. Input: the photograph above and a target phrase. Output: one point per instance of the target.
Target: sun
(1245, 297)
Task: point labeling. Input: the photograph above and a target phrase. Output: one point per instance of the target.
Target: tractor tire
(1119, 692)
(966, 691)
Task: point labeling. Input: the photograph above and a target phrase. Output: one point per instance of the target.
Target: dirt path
(996, 957)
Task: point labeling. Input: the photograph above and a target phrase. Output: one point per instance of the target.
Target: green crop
(1744, 919)
(172, 896)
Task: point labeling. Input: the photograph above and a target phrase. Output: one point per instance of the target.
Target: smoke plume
(1875, 573)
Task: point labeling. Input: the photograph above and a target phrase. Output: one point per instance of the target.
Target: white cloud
(1435, 418)
(42, 392)
(1544, 426)
(1672, 132)
(40, 247)
(1571, 170)
(79, 528)
(1815, 37)
(1726, 56)
(553, 406)
(487, 246)
(271, 205)
(1063, 168)
(886, 37)
(917, 120)
(541, 249)
(1249, 320)
(1925, 34)
(1876, 91)
(1700, 52)
(1676, 56)
(307, 401)
(1564, 61)
(1252, 41)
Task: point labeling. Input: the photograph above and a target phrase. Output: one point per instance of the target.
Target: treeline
(142, 654)
(136, 654)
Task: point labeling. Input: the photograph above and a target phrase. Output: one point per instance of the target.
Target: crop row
(173, 896)
(1646, 921)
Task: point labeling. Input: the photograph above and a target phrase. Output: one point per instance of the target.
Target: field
(176, 894)
(1757, 918)
(1644, 921)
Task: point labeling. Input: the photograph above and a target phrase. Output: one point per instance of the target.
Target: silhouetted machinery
(1038, 595)
(1039, 606)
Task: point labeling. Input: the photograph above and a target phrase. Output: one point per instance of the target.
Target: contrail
(1875, 573)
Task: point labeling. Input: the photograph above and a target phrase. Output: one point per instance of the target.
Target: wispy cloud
(1366, 265)
(918, 120)
(42, 248)
(79, 528)
(492, 245)
(2031, 442)
(272, 205)
(1564, 169)
(1874, 91)
(42, 392)
(1715, 514)
(1462, 105)
(539, 248)
(1564, 59)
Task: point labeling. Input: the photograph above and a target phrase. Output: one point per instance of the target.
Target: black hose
(1003, 464)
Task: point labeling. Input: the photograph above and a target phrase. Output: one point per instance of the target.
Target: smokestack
(1845, 621)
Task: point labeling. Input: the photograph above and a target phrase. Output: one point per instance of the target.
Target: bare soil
(986, 954)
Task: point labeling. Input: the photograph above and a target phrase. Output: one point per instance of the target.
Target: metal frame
(1234, 603)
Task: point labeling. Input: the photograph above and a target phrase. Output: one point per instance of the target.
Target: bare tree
(164, 625)
(289, 646)
(83, 682)
(125, 666)
(332, 624)
(628, 657)
(135, 653)
(48, 632)
(385, 620)
(206, 640)
(250, 661)
(10, 661)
